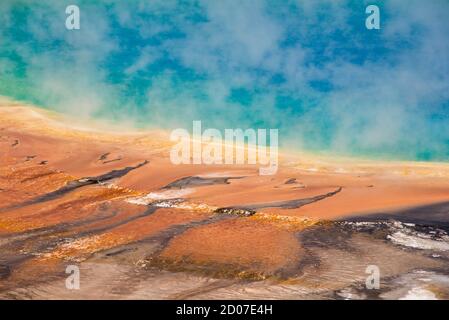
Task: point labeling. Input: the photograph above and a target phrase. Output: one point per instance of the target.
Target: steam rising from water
(310, 69)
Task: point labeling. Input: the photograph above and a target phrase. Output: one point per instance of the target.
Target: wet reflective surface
(140, 227)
